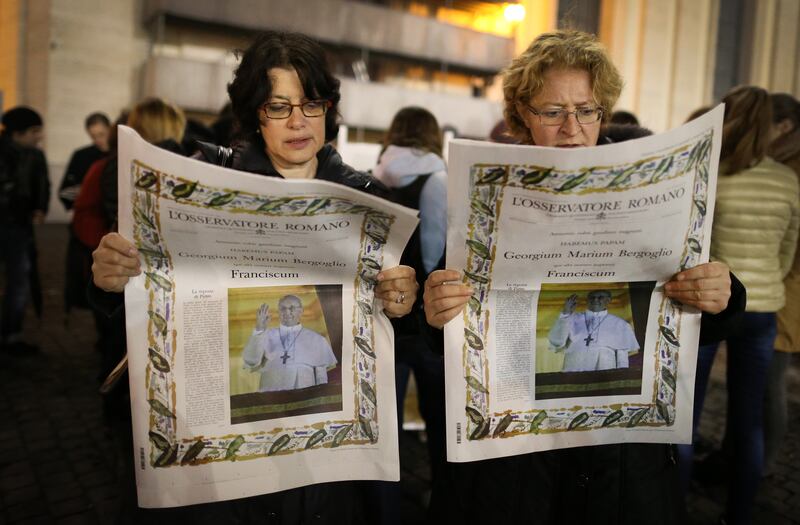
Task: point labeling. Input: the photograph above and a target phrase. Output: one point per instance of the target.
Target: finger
(111, 257)
(447, 303)
(397, 272)
(447, 290)
(442, 318)
(102, 270)
(712, 269)
(397, 285)
(118, 243)
(440, 277)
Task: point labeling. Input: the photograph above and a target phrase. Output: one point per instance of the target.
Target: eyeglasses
(283, 110)
(557, 117)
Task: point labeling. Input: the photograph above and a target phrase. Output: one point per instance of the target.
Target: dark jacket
(351, 502)
(79, 163)
(24, 183)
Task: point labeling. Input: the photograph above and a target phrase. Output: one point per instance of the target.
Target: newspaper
(568, 339)
(259, 358)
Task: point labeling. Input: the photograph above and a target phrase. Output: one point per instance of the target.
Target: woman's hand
(398, 288)
(115, 261)
(444, 296)
(706, 287)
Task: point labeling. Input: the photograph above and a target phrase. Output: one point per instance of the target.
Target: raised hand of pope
(116, 260)
(397, 287)
(262, 317)
(570, 304)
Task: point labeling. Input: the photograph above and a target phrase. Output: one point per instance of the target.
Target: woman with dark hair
(785, 148)
(558, 93)
(755, 231)
(285, 100)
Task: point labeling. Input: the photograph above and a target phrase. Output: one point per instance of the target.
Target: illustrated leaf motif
(375, 236)
(160, 281)
(478, 248)
(153, 254)
(145, 181)
(358, 208)
(160, 408)
(370, 263)
(502, 425)
(364, 346)
(481, 207)
(168, 457)
(578, 420)
(473, 339)
(317, 205)
(234, 446)
(623, 176)
(274, 204)
(537, 421)
(184, 190)
(662, 169)
(701, 207)
(637, 418)
(221, 200)
(492, 175)
(476, 385)
(575, 181)
(193, 452)
(663, 411)
(477, 278)
(474, 415)
(159, 321)
(279, 444)
(341, 434)
(315, 438)
(142, 217)
(612, 418)
(475, 304)
(668, 377)
(366, 428)
(366, 308)
(159, 362)
(368, 392)
(158, 440)
(480, 432)
(694, 245)
(535, 177)
(669, 336)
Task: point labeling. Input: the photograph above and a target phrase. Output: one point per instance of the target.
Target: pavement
(59, 463)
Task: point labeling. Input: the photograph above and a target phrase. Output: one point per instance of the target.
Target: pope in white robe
(290, 356)
(594, 339)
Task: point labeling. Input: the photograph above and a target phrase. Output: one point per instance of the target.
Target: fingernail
(132, 252)
(380, 276)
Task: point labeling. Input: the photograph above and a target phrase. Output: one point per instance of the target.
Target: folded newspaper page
(259, 358)
(568, 339)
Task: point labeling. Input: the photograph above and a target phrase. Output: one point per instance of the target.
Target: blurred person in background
(24, 199)
(755, 231)
(557, 93)
(98, 127)
(285, 100)
(625, 118)
(784, 148)
(411, 166)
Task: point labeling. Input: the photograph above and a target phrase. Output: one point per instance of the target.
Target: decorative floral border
(150, 188)
(487, 184)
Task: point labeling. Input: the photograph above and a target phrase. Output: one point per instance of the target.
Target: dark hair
(96, 118)
(19, 119)
(251, 86)
(699, 112)
(623, 132)
(624, 117)
(414, 127)
(785, 106)
(746, 131)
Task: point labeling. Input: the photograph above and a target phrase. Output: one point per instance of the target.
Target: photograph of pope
(593, 339)
(290, 356)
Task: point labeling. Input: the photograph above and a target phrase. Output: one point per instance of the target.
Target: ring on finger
(401, 298)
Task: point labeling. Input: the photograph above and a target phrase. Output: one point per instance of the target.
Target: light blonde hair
(747, 127)
(564, 49)
(157, 120)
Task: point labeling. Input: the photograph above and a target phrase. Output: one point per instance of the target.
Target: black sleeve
(71, 178)
(41, 183)
(108, 304)
(717, 327)
(108, 190)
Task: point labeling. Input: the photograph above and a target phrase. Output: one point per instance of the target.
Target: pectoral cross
(588, 339)
(285, 355)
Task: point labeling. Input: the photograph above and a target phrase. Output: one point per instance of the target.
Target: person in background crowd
(24, 199)
(195, 131)
(556, 94)
(411, 165)
(784, 148)
(625, 118)
(699, 112)
(98, 127)
(286, 118)
(755, 231)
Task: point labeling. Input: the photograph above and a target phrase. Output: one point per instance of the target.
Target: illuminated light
(514, 12)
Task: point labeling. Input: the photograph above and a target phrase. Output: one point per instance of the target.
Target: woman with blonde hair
(558, 93)
(755, 232)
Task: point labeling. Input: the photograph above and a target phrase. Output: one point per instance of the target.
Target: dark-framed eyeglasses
(557, 117)
(283, 110)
